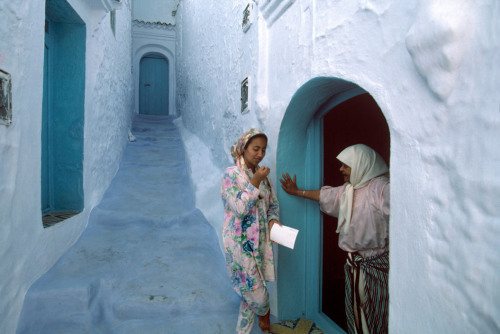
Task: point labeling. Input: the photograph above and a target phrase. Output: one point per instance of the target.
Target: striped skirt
(367, 293)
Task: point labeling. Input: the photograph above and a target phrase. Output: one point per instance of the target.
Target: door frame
(314, 219)
(299, 152)
(46, 145)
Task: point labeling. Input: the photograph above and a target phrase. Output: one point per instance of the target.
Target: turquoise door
(62, 110)
(153, 85)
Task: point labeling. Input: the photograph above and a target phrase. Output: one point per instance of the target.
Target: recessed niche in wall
(245, 96)
(247, 17)
(5, 98)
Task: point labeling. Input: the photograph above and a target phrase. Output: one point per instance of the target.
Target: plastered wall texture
(432, 68)
(155, 11)
(26, 248)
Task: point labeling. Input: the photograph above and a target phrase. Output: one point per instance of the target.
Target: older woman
(362, 207)
(251, 208)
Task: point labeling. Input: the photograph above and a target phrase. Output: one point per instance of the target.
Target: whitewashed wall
(155, 11)
(433, 69)
(27, 249)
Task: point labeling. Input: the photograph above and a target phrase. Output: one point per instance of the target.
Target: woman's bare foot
(265, 323)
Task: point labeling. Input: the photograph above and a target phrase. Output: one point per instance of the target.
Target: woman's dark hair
(256, 136)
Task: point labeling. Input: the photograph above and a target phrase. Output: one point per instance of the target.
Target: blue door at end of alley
(153, 85)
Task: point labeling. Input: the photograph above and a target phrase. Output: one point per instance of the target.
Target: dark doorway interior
(358, 120)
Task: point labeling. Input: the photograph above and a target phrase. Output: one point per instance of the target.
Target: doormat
(299, 326)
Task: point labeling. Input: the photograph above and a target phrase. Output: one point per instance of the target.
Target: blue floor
(148, 262)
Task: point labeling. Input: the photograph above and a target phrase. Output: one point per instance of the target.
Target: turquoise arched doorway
(316, 111)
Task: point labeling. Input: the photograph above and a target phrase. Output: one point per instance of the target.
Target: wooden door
(153, 85)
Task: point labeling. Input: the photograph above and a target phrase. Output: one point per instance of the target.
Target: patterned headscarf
(238, 148)
(365, 164)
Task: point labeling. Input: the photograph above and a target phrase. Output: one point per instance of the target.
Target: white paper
(284, 235)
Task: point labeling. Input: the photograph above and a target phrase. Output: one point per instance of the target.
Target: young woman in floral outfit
(250, 210)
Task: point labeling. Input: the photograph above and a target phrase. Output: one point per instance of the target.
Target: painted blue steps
(149, 262)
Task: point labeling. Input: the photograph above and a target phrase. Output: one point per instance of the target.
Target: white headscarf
(365, 164)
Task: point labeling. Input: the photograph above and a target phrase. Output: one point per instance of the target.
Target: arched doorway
(153, 85)
(324, 116)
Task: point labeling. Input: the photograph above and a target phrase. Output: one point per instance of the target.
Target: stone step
(148, 262)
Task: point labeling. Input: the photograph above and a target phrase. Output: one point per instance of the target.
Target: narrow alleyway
(149, 262)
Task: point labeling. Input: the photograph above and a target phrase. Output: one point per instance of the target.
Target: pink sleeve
(329, 200)
(386, 201)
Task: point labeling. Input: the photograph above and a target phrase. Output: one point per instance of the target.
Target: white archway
(154, 38)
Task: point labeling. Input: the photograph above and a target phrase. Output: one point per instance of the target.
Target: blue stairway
(148, 262)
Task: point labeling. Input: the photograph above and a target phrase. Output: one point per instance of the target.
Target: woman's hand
(260, 175)
(289, 185)
(271, 223)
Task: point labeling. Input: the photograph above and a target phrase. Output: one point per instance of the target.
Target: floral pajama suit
(248, 251)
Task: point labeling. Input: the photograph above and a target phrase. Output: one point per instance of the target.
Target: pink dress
(368, 232)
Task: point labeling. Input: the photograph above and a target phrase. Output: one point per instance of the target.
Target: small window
(247, 17)
(245, 101)
(112, 21)
(5, 98)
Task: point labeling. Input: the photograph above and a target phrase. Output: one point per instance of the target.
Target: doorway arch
(318, 105)
(155, 49)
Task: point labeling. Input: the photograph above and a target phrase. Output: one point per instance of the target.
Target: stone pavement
(149, 262)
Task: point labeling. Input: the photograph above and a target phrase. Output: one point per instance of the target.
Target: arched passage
(324, 116)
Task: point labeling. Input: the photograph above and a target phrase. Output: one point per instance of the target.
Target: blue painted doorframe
(300, 152)
(46, 163)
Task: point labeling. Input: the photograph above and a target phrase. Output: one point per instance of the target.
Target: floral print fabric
(245, 233)
(252, 302)
(238, 147)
